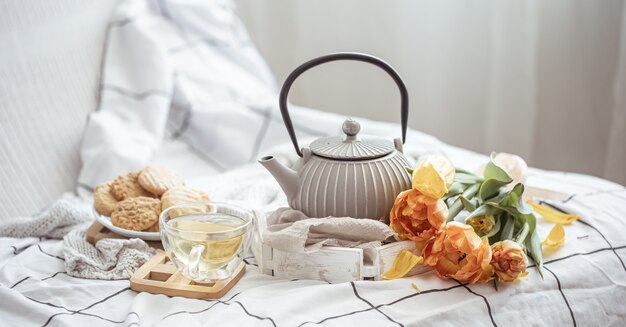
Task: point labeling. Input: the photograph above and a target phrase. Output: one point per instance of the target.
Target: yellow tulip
(482, 224)
(433, 175)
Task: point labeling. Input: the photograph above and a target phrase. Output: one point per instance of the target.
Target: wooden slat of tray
(159, 276)
(97, 231)
(334, 265)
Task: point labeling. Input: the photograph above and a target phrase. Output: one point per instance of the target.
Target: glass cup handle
(194, 260)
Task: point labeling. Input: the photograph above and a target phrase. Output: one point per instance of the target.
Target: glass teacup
(205, 240)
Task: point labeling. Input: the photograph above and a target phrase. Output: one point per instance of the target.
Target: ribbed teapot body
(359, 189)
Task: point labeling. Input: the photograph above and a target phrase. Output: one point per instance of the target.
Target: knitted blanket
(68, 218)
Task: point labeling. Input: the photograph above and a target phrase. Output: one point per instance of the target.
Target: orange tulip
(417, 217)
(509, 260)
(459, 253)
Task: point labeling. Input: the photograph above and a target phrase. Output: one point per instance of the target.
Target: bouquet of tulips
(468, 227)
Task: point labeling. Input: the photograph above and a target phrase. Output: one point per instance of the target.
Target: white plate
(146, 236)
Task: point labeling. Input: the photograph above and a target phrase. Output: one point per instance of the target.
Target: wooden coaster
(97, 232)
(159, 276)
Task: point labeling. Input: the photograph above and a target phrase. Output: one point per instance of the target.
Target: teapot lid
(351, 146)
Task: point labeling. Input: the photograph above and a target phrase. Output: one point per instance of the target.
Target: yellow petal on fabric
(552, 215)
(417, 289)
(404, 262)
(555, 238)
(433, 175)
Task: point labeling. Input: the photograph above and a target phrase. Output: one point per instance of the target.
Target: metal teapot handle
(284, 92)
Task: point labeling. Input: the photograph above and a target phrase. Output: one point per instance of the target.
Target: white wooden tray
(331, 264)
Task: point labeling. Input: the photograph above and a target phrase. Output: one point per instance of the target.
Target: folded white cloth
(68, 218)
(292, 231)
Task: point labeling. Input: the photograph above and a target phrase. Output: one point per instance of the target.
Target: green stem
(457, 205)
(523, 233)
(461, 170)
(507, 230)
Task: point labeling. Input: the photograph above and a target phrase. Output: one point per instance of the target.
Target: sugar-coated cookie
(136, 213)
(180, 195)
(159, 179)
(126, 186)
(103, 200)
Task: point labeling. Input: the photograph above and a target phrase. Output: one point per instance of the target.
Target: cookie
(159, 179)
(136, 213)
(154, 228)
(180, 195)
(126, 186)
(103, 200)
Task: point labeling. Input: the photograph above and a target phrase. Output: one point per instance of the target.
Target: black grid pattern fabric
(583, 285)
(201, 108)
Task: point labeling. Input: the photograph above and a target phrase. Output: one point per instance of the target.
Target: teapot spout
(286, 177)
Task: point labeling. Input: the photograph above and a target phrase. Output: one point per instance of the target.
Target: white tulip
(514, 165)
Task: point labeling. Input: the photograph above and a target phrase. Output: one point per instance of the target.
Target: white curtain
(542, 79)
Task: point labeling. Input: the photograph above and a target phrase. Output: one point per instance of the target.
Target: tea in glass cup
(206, 241)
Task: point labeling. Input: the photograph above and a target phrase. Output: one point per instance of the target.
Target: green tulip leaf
(454, 209)
(483, 210)
(507, 230)
(493, 171)
(523, 233)
(464, 178)
(495, 177)
(533, 247)
(531, 220)
(524, 208)
(490, 188)
(454, 190)
(511, 198)
(496, 228)
(457, 205)
(469, 205)
(458, 170)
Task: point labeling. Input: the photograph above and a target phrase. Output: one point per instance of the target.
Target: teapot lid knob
(351, 146)
(351, 127)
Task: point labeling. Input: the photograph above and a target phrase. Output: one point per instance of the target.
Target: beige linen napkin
(292, 231)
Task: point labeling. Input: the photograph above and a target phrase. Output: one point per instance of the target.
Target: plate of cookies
(130, 205)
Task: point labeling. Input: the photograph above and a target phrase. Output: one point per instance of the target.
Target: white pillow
(49, 73)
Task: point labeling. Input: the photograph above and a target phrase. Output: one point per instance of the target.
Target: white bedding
(585, 280)
(212, 110)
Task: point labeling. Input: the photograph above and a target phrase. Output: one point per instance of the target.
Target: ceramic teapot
(344, 176)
